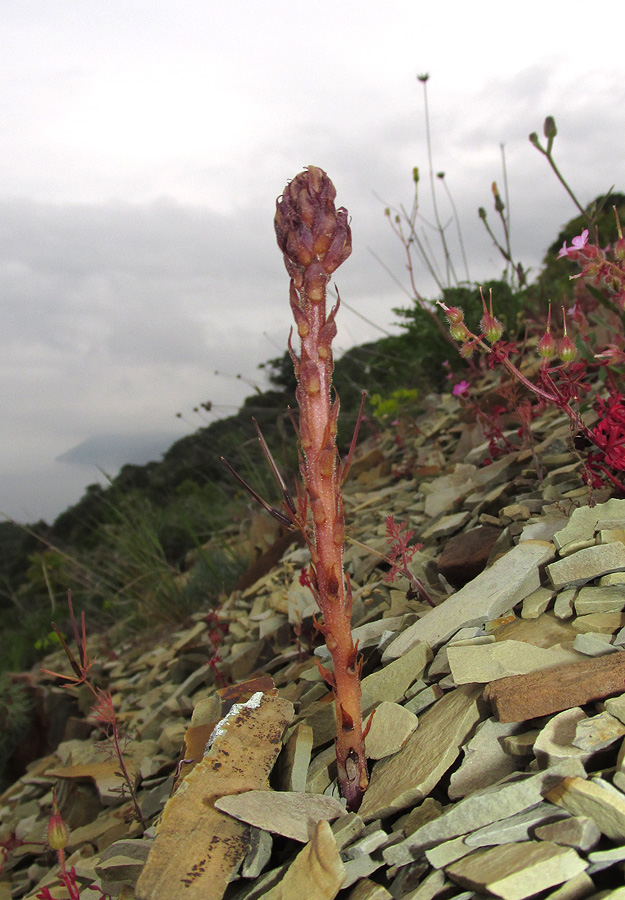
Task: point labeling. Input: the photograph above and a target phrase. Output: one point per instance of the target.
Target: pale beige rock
(369, 634)
(445, 526)
(429, 887)
(368, 890)
(577, 888)
(564, 607)
(347, 829)
(584, 565)
(259, 854)
(423, 699)
(603, 623)
(579, 832)
(520, 745)
(425, 812)
(596, 732)
(447, 852)
(586, 798)
(593, 644)
(584, 520)
(292, 814)
(295, 759)
(446, 490)
(516, 871)
(401, 780)
(600, 599)
(554, 743)
(392, 681)
(496, 590)
(485, 761)
(512, 829)
(481, 663)
(317, 872)
(616, 707)
(505, 799)
(537, 603)
(611, 579)
(391, 727)
(171, 738)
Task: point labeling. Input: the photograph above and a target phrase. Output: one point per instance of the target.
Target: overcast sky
(143, 144)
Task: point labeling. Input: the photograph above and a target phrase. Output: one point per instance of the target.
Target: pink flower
(564, 251)
(461, 388)
(580, 242)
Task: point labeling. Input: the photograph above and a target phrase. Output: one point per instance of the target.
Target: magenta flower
(461, 388)
(564, 251)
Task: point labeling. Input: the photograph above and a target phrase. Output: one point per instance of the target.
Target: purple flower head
(564, 251)
(461, 388)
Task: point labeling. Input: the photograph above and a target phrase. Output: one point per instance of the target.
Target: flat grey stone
(537, 603)
(583, 523)
(485, 761)
(400, 780)
(259, 854)
(584, 565)
(587, 798)
(555, 741)
(516, 871)
(596, 732)
(494, 591)
(445, 526)
(424, 699)
(481, 663)
(600, 599)
(514, 828)
(564, 608)
(579, 832)
(593, 644)
(442, 855)
(481, 808)
(391, 727)
(292, 814)
(616, 707)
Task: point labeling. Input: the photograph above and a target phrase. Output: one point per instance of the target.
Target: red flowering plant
(566, 383)
(103, 710)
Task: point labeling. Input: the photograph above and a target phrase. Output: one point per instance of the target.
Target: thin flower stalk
(315, 238)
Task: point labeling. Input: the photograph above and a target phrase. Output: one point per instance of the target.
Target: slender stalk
(315, 239)
(448, 264)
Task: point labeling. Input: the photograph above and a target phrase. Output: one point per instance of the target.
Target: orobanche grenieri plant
(315, 239)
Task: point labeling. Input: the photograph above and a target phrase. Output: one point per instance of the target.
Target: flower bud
(459, 331)
(482, 213)
(454, 315)
(499, 207)
(547, 346)
(415, 174)
(533, 138)
(58, 834)
(310, 230)
(491, 328)
(549, 128)
(567, 351)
